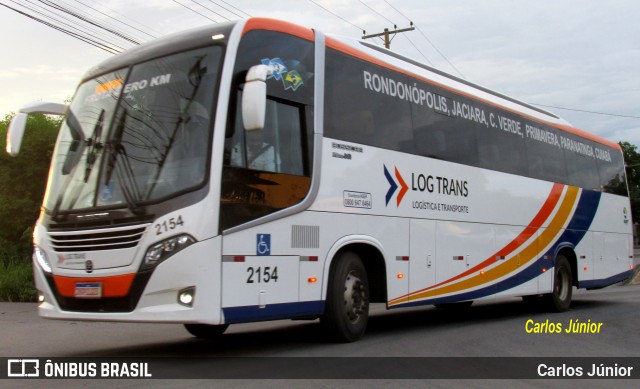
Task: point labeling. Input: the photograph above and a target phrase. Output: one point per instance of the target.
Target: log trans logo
(393, 186)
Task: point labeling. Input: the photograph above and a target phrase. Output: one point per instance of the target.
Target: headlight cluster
(41, 257)
(165, 249)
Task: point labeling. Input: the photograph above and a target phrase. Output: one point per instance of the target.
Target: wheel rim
(355, 300)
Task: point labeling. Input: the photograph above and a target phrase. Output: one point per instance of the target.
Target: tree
(632, 163)
(23, 180)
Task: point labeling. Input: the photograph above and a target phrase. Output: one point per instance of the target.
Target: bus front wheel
(559, 299)
(347, 306)
(206, 331)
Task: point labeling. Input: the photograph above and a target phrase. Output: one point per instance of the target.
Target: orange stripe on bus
(279, 26)
(112, 286)
(529, 253)
(536, 222)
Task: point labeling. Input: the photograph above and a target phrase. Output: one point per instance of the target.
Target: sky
(575, 55)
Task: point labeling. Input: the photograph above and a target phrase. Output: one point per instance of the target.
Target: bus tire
(347, 306)
(559, 299)
(206, 331)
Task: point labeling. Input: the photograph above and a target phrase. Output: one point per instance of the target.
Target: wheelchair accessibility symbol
(263, 244)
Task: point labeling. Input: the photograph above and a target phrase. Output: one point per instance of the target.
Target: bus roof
(173, 43)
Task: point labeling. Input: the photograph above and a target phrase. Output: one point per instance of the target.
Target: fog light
(40, 297)
(186, 296)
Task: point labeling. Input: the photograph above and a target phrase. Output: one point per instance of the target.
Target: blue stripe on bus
(597, 284)
(249, 313)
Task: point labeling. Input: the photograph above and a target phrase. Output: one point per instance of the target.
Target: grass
(16, 280)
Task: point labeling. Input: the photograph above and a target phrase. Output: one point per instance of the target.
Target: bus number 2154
(262, 274)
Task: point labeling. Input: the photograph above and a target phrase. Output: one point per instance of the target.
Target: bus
(260, 170)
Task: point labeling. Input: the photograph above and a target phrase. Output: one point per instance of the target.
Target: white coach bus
(260, 170)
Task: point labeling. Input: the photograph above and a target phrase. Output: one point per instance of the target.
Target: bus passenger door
(422, 262)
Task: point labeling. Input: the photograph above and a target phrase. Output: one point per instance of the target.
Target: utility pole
(387, 34)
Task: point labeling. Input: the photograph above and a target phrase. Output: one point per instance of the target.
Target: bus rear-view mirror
(254, 98)
(19, 122)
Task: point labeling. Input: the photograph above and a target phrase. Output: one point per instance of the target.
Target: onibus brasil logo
(393, 186)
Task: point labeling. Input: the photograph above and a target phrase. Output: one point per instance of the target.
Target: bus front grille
(111, 239)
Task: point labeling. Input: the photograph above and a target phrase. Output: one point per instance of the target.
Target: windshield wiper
(74, 154)
(123, 175)
(94, 144)
(77, 144)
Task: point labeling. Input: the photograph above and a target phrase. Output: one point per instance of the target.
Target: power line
(53, 17)
(74, 29)
(395, 27)
(419, 51)
(86, 20)
(116, 19)
(587, 111)
(65, 31)
(378, 13)
(193, 10)
(210, 10)
(387, 35)
(86, 14)
(540, 105)
(230, 11)
(340, 17)
(428, 40)
(125, 17)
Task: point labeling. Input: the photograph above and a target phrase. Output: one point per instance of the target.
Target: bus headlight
(163, 250)
(41, 257)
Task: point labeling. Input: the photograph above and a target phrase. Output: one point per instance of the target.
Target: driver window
(277, 148)
(264, 170)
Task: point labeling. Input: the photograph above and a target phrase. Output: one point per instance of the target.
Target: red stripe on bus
(542, 215)
(112, 286)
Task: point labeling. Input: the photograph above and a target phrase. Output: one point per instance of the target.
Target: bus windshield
(136, 135)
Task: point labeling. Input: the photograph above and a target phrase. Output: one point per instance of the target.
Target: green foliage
(22, 182)
(632, 161)
(16, 280)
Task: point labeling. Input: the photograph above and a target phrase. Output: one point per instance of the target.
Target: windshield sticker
(104, 90)
(285, 71)
(150, 82)
(110, 85)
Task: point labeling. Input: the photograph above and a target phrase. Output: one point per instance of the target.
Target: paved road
(485, 329)
(496, 329)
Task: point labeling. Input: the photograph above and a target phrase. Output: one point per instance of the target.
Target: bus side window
(283, 132)
(264, 170)
(277, 148)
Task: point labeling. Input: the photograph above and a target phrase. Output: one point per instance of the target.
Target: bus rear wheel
(559, 299)
(206, 331)
(347, 305)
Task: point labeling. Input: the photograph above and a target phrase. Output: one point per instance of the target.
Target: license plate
(89, 290)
